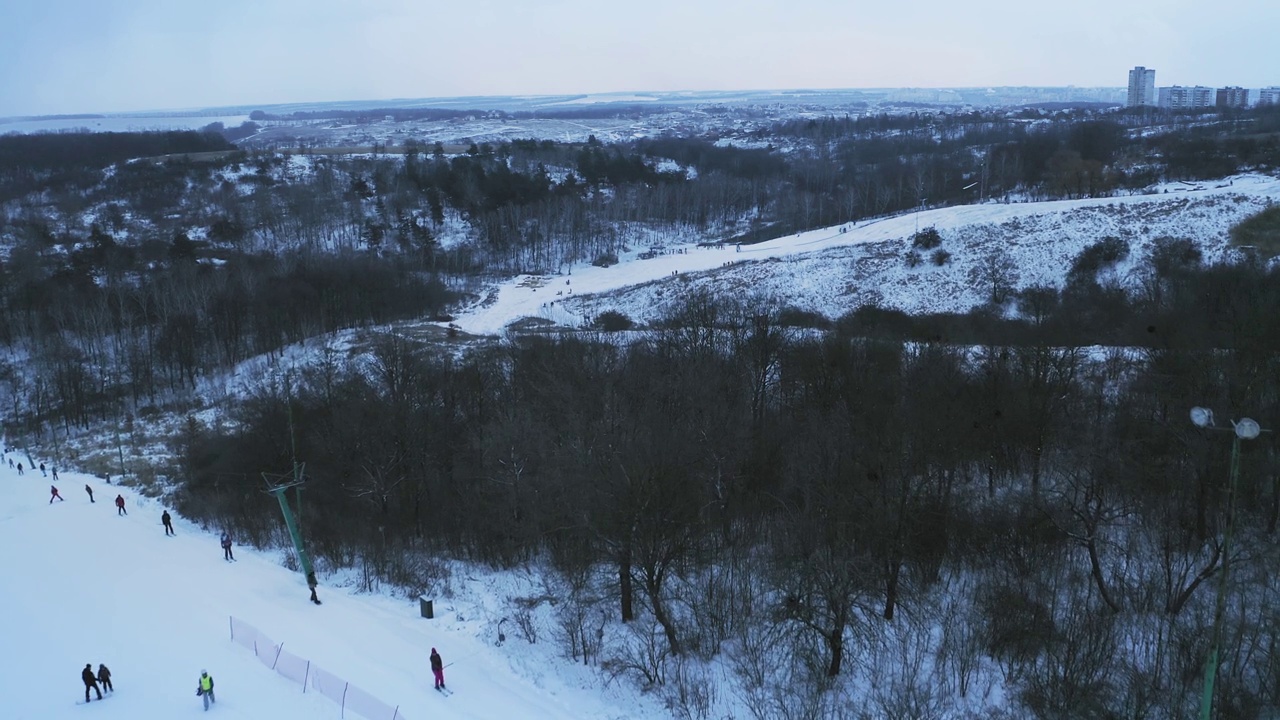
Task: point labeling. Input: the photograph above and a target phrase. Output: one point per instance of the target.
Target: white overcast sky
(68, 56)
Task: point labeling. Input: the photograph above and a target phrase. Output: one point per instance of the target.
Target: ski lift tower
(278, 484)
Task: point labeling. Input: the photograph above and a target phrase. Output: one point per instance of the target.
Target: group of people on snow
(92, 680)
(101, 680)
(55, 495)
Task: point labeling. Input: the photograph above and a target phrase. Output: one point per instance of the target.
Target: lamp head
(1247, 429)
(1202, 417)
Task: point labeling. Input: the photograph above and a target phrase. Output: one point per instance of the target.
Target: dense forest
(740, 472)
(1015, 492)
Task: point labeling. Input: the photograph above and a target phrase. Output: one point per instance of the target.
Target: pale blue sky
(68, 56)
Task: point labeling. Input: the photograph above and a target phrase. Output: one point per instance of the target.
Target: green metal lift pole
(294, 531)
(1211, 664)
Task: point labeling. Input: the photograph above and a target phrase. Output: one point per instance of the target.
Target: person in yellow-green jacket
(205, 689)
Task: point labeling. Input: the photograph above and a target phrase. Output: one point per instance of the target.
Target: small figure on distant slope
(90, 681)
(205, 689)
(53, 494)
(168, 523)
(90, 491)
(120, 505)
(42, 472)
(104, 677)
(226, 548)
(437, 668)
(311, 583)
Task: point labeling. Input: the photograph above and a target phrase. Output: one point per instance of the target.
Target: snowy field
(82, 584)
(838, 269)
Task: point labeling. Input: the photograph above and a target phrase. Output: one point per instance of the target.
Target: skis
(444, 691)
(105, 695)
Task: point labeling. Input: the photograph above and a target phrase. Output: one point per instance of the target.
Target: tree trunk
(835, 642)
(654, 590)
(1274, 516)
(893, 569)
(1095, 567)
(624, 584)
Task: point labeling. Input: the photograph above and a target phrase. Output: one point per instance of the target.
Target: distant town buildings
(1143, 93)
(1186, 98)
(1236, 97)
(1142, 87)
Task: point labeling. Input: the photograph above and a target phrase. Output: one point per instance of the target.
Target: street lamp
(1244, 429)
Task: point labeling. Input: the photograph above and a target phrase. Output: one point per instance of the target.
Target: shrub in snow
(926, 239)
(1106, 252)
(612, 321)
(605, 259)
(940, 257)
(795, 317)
(913, 259)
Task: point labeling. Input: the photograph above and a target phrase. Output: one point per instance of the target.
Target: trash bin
(425, 606)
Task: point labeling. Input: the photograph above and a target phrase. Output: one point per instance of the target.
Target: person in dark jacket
(120, 505)
(53, 494)
(226, 547)
(90, 681)
(104, 677)
(19, 468)
(90, 491)
(168, 523)
(437, 668)
(42, 472)
(205, 689)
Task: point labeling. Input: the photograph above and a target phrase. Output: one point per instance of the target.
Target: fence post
(232, 622)
(305, 676)
(277, 659)
(345, 685)
(255, 647)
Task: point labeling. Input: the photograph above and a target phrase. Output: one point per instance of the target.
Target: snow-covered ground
(837, 269)
(82, 584)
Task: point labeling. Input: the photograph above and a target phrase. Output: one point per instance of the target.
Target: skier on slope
(437, 668)
(90, 681)
(167, 521)
(205, 689)
(226, 548)
(53, 494)
(104, 677)
(90, 491)
(120, 505)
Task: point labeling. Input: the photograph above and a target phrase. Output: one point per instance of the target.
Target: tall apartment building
(1236, 97)
(1142, 87)
(1179, 97)
(1269, 96)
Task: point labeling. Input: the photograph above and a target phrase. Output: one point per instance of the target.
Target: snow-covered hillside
(838, 269)
(83, 584)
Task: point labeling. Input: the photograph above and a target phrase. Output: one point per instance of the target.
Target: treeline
(1048, 507)
(30, 163)
(400, 114)
(538, 206)
(109, 329)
